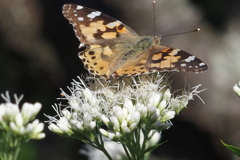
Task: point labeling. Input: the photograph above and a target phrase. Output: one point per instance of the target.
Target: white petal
(162, 105)
(126, 130)
(14, 127)
(167, 94)
(11, 111)
(236, 89)
(74, 102)
(151, 109)
(40, 136)
(155, 138)
(39, 128)
(93, 124)
(118, 135)
(115, 122)
(128, 104)
(111, 136)
(120, 113)
(155, 99)
(66, 114)
(143, 111)
(169, 115)
(19, 120)
(132, 126)
(103, 132)
(105, 120)
(54, 128)
(134, 117)
(124, 124)
(36, 108)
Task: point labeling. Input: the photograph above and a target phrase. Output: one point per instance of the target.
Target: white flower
(17, 121)
(118, 109)
(29, 111)
(120, 105)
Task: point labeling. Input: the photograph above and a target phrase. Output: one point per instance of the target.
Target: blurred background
(39, 55)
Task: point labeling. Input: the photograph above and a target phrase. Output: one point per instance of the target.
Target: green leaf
(149, 149)
(235, 150)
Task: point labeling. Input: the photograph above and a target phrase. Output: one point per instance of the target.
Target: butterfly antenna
(154, 19)
(196, 30)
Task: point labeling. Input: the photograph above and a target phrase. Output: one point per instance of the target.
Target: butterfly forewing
(94, 27)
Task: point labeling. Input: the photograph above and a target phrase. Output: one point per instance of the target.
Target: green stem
(126, 151)
(16, 153)
(101, 147)
(10, 146)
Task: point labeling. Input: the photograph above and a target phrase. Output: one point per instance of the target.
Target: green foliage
(150, 149)
(235, 150)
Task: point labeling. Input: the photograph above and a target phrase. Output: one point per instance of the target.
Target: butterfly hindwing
(162, 58)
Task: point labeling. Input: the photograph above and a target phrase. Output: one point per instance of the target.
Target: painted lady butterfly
(114, 49)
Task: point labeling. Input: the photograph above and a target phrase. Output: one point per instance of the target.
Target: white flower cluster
(143, 102)
(16, 121)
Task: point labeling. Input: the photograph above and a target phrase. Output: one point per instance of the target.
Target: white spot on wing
(79, 7)
(190, 58)
(113, 24)
(183, 65)
(119, 22)
(174, 52)
(94, 14)
(202, 64)
(81, 45)
(80, 18)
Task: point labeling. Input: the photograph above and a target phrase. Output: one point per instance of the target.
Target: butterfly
(112, 49)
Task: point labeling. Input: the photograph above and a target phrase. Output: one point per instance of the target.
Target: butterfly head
(157, 39)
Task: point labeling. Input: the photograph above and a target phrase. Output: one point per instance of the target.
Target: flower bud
(155, 99)
(236, 89)
(169, 115)
(54, 128)
(167, 94)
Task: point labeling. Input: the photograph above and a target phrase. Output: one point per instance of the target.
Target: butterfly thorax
(132, 53)
(144, 43)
